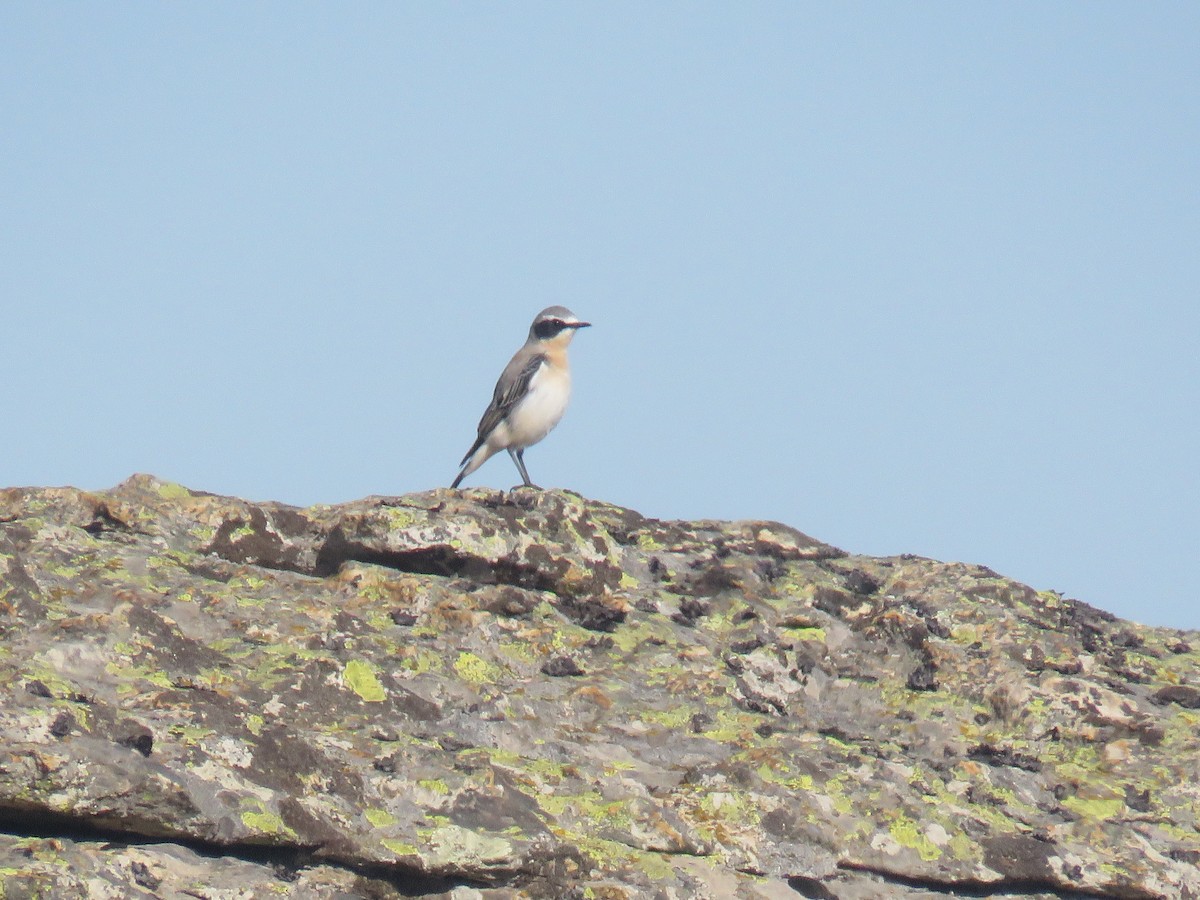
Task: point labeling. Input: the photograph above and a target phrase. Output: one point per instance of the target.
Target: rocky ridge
(496, 695)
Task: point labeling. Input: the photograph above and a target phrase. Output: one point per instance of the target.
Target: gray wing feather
(509, 395)
(510, 389)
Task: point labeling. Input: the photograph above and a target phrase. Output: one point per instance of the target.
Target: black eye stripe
(548, 328)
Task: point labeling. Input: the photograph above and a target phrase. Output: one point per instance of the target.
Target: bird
(531, 395)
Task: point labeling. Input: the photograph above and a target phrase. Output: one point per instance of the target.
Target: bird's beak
(581, 324)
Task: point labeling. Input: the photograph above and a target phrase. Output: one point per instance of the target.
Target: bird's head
(555, 324)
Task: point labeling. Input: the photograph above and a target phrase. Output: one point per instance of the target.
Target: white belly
(537, 414)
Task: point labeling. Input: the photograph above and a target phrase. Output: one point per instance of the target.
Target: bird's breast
(541, 408)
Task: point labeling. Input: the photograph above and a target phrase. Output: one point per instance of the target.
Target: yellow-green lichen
(400, 848)
(190, 734)
(518, 652)
(674, 719)
(360, 678)
(418, 661)
(962, 847)
(473, 669)
(501, 756)
(380, 818)
(771, 775)
(647, 543)
(129, 671)
(733, 727)
(808, 634)
(169, 490)
(55, 683)
(965, 635)
(908, 833)
(607, 854)
(399, 517)
(835, 790)
(266, 823)
(376, 591)
(1095, 807)
(546, 769)
(735, 807)
(589, 807)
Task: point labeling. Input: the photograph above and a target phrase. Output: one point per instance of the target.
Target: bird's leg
(518, 457)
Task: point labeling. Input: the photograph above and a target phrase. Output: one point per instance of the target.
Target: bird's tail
(472, 461)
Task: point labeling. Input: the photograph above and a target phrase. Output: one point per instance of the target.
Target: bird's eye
(547, 328)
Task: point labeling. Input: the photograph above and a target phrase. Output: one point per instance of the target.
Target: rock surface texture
(487, 695)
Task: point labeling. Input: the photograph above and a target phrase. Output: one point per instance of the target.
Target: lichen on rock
(531, 694)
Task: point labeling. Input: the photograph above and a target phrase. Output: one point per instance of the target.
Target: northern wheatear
(531, 395)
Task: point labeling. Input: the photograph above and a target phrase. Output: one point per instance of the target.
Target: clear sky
(910, 277)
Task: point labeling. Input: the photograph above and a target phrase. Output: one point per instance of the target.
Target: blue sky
(909, 277)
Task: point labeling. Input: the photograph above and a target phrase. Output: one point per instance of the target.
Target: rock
(558, 666)
(1184, 695)
(490, 695)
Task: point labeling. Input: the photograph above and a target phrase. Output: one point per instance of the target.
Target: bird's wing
(510, 390)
